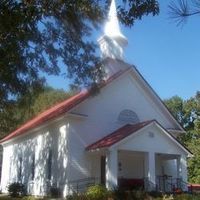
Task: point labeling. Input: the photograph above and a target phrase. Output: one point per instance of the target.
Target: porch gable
(141, 137)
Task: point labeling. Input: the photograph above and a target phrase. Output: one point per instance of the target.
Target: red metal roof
(56, 110)
(49, 114)
(117, 135)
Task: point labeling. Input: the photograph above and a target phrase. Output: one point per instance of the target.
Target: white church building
(122, 137)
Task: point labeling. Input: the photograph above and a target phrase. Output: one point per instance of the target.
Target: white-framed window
(33, 167)
(19, 173)
(49, 164)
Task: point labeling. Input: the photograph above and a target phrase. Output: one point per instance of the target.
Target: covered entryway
(141, 155)
(168, 172)
(131, 169)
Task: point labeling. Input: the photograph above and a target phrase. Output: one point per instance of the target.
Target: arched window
(128, 117)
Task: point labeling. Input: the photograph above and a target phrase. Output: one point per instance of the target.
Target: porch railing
(170, 184)
(149, 185)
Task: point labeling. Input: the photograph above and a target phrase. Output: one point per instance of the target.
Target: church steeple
(112, 43)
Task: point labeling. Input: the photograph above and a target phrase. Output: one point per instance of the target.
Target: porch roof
(127, 130)
(117, 135)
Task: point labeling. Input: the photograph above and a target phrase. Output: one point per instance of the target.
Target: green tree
(194, 162)
(6, 118)
(187, 112)
(48, 98)
(175, 105)
(29, 105)
(40, 35)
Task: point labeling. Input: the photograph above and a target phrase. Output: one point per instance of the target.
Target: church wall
(79, 160)
(103, 110)
(169, 166)
(69, 138)
(101, 119)
(6, 167)
(52, 138)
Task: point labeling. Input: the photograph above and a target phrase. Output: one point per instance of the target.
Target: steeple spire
(112, 28)
(112, 43)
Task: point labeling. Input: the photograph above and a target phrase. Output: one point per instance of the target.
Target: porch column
(151, 171)
(183, 172)
(178, 167)
(111, 169)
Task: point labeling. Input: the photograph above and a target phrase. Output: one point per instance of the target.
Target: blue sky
(166, 55)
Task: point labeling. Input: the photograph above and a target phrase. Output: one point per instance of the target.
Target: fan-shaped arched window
(128, 117)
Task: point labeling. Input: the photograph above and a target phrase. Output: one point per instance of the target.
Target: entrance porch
(138, 170)
(141, 155)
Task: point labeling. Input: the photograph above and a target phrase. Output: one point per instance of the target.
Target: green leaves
(176, 106)
(187, 112)
(40, 36)
(136, 9)
(14, 114)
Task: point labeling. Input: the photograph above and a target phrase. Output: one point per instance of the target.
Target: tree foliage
(175, 104)
(38, 36)
(28, 106)
(187, 112)
(194, 162)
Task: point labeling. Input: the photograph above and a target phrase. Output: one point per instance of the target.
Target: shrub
(138, 194)
(187, 197)
(55, 192)
(16, 189)
(29, 198)
(97, 192)
(77, 197)
(155, 194)
(119, 194)
(168, 197)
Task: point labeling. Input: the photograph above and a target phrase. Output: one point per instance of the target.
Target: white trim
(176, 131)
